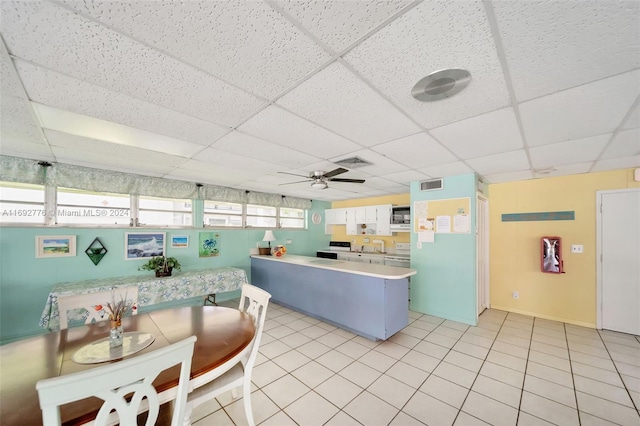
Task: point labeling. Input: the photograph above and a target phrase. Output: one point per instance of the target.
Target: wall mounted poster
(209, 244)
(143, 244)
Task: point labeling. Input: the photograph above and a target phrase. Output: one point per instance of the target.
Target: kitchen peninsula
(369, 300)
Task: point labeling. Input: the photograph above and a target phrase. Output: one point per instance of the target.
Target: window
(156, 211)
(261, 216)
(220, 214)
(22, 203)
(292, 218)
(78, 207)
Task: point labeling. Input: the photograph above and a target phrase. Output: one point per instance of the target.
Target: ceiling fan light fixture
(441, 84)
(319, 185)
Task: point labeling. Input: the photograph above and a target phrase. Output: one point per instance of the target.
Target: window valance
(13, 169)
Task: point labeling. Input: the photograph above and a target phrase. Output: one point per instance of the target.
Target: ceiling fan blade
(293, 174)
(347, 180)
(289, 183)
(335, 172)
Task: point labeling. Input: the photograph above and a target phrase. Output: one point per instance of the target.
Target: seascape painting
(179, 241)
(142, 245)
(55, 246)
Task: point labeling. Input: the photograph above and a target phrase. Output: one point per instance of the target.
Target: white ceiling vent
(431, 185)
(353, 162)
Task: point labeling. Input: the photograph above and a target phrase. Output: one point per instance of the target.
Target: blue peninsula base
(375, 307)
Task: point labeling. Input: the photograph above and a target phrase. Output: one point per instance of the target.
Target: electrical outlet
(515, 295)
(289, 242)
(366, 240)
(577, 248)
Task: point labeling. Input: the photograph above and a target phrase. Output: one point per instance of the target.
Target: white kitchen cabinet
(383, 222)
(335, 216)
(352, 225)
(366, 214)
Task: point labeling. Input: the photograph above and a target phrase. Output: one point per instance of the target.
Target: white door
(482, 252)
(619, 266)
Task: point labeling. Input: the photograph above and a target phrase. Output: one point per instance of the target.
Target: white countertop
(372, 270)
(369, 253)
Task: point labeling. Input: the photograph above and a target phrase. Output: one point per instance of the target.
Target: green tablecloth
(151, 290)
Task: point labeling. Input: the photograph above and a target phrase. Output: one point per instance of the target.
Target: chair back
(95, 304)
(113, 382)
(254, 301)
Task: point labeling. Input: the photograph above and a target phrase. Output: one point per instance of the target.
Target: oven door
(327, 254)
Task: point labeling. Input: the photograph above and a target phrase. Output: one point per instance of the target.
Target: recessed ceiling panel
(634, 118)
(415, 151)
(570, 152)
(379, 163)
(64, 41)
(500, 163)
(431, 37)
(624, 144)
(508, 177)
(339, 24)
(216, 158)
(246, 43)
(582, 111)
(336, 99)
(616, 163)
(284, 128)
(555, 45)
(448, 169)
(66, 93)
(483, 135)
(405, 177)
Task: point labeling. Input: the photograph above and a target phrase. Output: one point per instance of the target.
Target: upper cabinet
(376, 218)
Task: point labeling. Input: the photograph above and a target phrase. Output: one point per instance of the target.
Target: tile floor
(508, 370)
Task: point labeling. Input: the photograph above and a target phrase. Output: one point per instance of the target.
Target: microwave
(400, 219)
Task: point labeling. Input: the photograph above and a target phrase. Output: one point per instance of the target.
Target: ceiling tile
(89, 127)
(500, 163)
(246, 43)
(616, 163)
(483, 135)
(587, 110)
(624, 144)
(379, 163)
(284, 128)
(509, 176)
(405, 177)
(64, 41)
(634, 118)
(569, 169)
(570, 152)
(430, 37)
(419, 150)
(449, 169)
(339, 24)
(218, 158)
(63, 92)
(204, 172)
(555, 45)
(250, 146)
(337, 100)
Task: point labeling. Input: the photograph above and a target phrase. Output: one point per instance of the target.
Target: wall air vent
(353, 162)
(431, 185)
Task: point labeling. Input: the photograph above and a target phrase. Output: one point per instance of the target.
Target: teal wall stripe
(530, 217)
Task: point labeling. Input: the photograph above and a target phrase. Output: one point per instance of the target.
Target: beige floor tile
(506, 360)
(338, 390)
(599, 374)
(291, 360)
(441, 340)
(489, 410)
(526, 419)
(503, 374)
(377, 360)
(312, 374)
(607, 410)
(392, 350)
(266, 373)
(550, 360)
(421, 361)
(611, 393)
(449, 332)
(509, 349)
(472, 350)
(431, 349)
(589, 420)
(474, 339)
(331, 339)
(295, 340)
(465, 361)
(368, 409)
(278, 419)
(499, 391)
(429, 409)
(549, 349)
(274, 349)
(445, 391)
(311, 410)
(285, 390)
(313, 349)
(594, 361)
(218, 418)
(405, 340)
(341, 419)
(455, 374)
(549, 410)
(314, 332)
(403, 419)
(550, 390)
(516, 332)
(261, 407)
(407, 374)
(551, 374)
(465, 419)
(334, 360)
(392, 391)
(360, 374)
(352, 349)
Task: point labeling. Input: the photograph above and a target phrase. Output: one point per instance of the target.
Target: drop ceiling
(231, 93)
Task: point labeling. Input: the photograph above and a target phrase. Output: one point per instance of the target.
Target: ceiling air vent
(353, 162)
(431, 185)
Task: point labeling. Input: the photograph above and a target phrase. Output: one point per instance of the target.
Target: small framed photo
(55, 245)
(138, 245)
(179, 241)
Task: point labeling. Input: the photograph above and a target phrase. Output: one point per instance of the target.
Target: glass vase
(115, 334)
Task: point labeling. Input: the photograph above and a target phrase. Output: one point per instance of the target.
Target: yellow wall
(515, 246)
(340, 232)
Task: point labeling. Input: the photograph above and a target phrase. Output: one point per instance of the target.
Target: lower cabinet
(362, 258)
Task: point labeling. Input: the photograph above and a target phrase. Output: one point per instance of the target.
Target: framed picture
(55, 245)
(209, 244)
(138, 245)
(179, 241)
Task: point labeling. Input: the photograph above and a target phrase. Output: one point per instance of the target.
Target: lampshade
(268, 236)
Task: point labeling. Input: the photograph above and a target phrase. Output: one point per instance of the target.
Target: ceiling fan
(319, 178)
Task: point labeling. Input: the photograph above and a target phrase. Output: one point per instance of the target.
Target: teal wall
(445, 285)
(25, 281)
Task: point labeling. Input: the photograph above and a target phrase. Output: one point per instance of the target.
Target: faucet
(381, 242)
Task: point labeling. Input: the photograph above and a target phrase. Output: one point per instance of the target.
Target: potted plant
(161, 265)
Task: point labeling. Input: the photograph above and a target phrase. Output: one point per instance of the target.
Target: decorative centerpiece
(161, 265)
(116, 311)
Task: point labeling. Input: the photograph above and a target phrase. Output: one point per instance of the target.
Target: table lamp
(268, 236)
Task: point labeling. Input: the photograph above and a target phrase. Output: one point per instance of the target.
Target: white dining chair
(253, 301)
(91, 301)
(113, 382)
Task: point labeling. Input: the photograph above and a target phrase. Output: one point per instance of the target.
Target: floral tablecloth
(151, 290)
